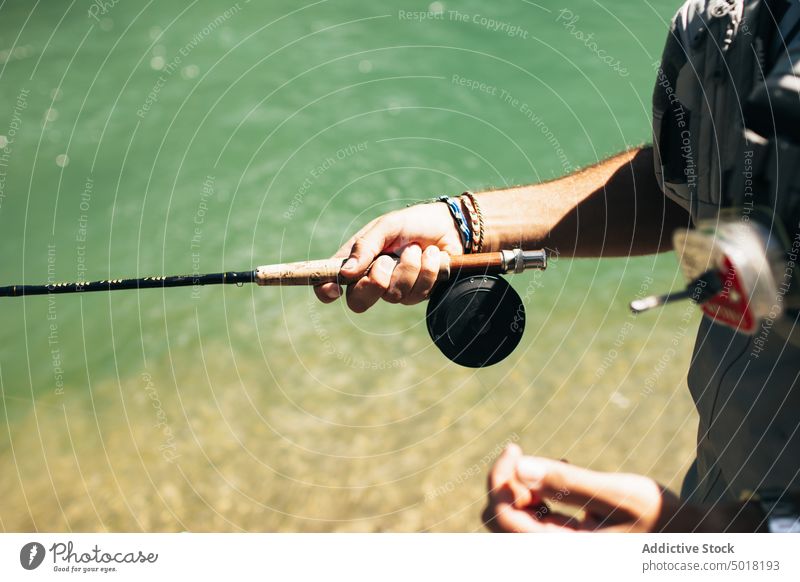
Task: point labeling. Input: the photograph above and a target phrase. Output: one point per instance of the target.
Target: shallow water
(203, 137)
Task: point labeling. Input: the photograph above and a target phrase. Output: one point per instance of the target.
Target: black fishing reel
(476, 321)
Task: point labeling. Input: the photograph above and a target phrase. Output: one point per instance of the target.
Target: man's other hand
(522, 491)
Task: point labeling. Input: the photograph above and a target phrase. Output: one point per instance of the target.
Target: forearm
(614, 208)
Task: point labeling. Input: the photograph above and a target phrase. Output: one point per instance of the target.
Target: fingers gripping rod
(300, 273)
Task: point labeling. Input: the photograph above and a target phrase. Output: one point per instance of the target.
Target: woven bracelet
(454, 204)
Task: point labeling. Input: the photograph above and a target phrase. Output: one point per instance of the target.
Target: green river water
(177, 137)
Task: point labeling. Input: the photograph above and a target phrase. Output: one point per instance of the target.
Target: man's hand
(417, 235)
(614, 208)
(520, 486)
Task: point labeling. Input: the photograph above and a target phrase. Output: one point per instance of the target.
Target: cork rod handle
(327, 270)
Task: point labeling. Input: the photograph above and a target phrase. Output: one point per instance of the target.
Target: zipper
(721, 8)
(721, 11)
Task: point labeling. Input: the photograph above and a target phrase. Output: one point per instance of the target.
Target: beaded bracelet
(454, 204)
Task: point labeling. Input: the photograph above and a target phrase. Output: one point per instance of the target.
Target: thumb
(503, 470)
(503, 485)
(368, 246)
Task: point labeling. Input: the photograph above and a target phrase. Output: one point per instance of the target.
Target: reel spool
(476, 321)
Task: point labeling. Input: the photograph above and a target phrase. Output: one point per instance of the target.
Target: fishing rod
(474, 316)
